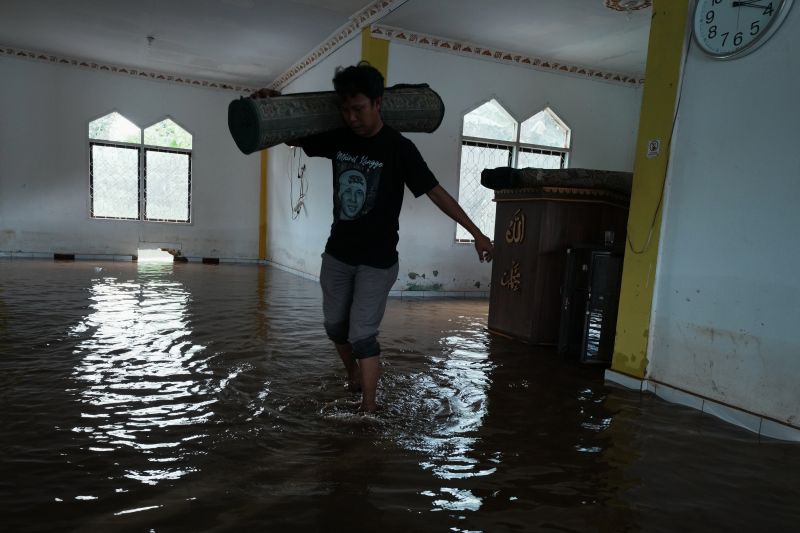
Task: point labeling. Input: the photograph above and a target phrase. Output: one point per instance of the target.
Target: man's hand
(265, 93)
(484, 248)
(448, 205)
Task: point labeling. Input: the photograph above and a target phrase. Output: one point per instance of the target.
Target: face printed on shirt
(355, 185)
(352, 193)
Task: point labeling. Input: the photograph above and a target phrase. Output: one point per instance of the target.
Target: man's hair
(362, 78)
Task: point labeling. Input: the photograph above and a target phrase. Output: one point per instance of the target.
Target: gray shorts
(353, 303)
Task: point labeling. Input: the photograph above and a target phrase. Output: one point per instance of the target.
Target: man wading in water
(372, 163)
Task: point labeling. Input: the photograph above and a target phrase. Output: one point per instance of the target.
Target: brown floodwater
(188, 397)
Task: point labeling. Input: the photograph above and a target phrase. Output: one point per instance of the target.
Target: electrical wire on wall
(297, 170)
(667, 152)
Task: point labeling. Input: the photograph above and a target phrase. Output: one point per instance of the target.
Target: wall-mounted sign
(653, 148)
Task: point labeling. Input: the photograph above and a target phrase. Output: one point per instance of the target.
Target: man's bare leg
(370, 371)
(350, 363)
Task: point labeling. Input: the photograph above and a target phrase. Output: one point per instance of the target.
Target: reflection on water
(453, 393)
(206, 398)
(139, 372)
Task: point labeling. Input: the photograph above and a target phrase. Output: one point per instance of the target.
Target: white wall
(298, 243)
(603, 117)
(44, 165)
(727, 300)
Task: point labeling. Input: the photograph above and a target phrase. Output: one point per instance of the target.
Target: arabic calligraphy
(512, 279)
(516, 228)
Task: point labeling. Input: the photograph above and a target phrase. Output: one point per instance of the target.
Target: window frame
(143, 180)
(114, 144)
(516, 146)
(142, 148)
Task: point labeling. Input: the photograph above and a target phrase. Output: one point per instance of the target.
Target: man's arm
(449, 206)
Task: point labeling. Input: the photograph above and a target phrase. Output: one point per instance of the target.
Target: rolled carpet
(256, 124)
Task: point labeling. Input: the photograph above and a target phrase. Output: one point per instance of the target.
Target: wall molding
(341, 36)
(506, 57)
(10, 51)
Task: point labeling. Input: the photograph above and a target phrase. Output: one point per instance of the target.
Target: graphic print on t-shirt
(356, 180)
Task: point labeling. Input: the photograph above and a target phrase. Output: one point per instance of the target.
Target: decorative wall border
(628, 5)
(499, 56)
(364, 18)
(373, 12)
(116, 69)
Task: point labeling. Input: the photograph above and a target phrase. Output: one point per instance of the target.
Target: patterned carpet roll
(256, 124)
(508, 178)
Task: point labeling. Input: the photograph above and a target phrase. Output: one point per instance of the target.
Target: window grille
(114, 180)
(538, 158)
(139, 176)
(475, 199)
(491, 138)
(167, 185)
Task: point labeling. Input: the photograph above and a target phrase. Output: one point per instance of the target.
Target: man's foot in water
(354, 381)
(368, 408)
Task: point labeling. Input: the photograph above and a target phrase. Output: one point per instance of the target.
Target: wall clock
(727, 29)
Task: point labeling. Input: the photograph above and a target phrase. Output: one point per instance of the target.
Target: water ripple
(140, 373)
(207, 398)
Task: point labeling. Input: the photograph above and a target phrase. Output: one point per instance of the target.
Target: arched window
(543, 141)
(139, 176)
(114, 146)
(491, 138)
(488, 137)
(167, 172)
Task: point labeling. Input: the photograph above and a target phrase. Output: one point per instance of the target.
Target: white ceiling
(576, 32)
(252, 42)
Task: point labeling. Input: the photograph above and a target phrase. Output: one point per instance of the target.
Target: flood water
(187, 397)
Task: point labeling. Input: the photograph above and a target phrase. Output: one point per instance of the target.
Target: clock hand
(749, 4)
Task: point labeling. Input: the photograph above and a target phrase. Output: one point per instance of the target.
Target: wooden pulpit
(540, 213)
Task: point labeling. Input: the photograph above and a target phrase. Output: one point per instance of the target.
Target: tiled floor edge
(439, 294)
(394, 293)
(220, 260)
(760, 425)
(291, 270)
(118, 257)
(618, 378)
(77, 256)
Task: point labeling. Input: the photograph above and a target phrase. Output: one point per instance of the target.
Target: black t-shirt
(368, 178)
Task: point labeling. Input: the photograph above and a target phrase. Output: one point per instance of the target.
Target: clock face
(725, 29)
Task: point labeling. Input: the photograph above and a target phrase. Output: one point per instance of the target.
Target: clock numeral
(737, 39)
(725, 37)
(754, 28)
(768, 9)
(710, 17)
(712, 32)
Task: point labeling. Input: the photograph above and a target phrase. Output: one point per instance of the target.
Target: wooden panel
(532, 313)
(508, 308)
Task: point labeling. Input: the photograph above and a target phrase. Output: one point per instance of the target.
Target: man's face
(362, 115)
